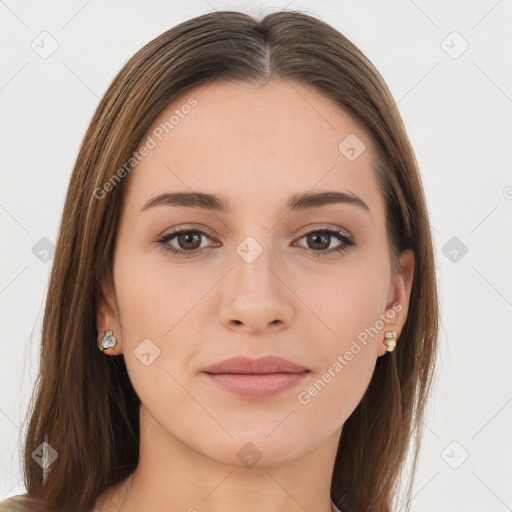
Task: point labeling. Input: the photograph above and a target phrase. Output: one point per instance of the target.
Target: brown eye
(190, 241)
(319, 240)
(185, 241)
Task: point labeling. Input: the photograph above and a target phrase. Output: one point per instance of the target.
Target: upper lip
(263, 365)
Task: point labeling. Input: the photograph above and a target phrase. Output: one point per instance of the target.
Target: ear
(398, 298)
(107, 315)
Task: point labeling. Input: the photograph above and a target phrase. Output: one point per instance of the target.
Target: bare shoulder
(109, 500)
(333, 506)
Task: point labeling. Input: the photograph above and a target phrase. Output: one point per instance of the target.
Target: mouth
(261, 366)
(256, 385)
(256, 378)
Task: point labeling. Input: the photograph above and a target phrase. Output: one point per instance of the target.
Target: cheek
(170, 306)
(152, 296)
(158, 305)
(348, 311)
(347, 348)
(346, 299)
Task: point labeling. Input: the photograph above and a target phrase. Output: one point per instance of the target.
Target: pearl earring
(390, 340)
(108, 341)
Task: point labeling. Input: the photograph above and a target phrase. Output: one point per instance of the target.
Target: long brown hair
(83, 404)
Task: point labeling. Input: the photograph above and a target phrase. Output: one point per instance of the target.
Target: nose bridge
(255, 295)
(254, 261)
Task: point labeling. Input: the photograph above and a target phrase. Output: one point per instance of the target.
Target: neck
(173, 475)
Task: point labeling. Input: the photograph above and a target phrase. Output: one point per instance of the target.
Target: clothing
(22, 503)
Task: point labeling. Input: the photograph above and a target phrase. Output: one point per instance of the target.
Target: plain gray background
(456, 103)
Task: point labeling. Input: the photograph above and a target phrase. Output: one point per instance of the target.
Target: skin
(256, 146)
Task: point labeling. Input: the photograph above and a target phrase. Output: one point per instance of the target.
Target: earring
(390, 340)
(108, 341)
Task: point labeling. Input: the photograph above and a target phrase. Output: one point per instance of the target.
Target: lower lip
(257, 385)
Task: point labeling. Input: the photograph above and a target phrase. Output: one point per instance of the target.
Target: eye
(188, 240)
(320, 240)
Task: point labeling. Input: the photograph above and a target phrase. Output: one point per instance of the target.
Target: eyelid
(333, 230)
(304, 231)
(175, 230)
(321, 227)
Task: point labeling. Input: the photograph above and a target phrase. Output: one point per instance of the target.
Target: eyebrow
(297, 202)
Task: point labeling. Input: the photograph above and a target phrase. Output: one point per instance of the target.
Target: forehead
(255, 144)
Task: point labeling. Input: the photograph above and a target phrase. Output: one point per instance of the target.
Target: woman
(245, 239)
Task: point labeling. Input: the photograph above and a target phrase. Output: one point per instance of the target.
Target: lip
(256, 378)
(254, 385)
(263, 365)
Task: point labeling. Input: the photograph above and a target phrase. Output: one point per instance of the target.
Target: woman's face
(266, 280)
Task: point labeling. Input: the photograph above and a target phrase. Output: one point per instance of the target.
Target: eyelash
(348, 240)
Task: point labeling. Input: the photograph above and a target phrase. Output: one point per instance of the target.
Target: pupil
(316, 236)
(187, 237)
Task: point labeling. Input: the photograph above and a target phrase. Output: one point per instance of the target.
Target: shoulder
(22, 503)
(333, 506)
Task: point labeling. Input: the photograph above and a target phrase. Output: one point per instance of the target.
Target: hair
(83, 403)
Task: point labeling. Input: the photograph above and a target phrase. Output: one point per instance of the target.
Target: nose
(255, 296)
